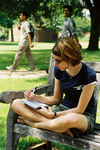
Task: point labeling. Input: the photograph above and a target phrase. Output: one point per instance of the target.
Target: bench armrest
(9, 96)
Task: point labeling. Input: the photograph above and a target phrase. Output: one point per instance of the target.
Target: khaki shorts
(90, 117)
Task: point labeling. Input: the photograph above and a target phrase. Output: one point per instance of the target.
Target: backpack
(32, 31)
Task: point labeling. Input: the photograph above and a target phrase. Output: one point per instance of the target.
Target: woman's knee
(75, 120)
(16, 104)
(72, 118)
(65, 122)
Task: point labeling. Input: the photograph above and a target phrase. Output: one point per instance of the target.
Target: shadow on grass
(16, 43)
(8, 43)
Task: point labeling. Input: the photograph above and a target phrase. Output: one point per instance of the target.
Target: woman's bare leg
(26, 111)
(62, 123)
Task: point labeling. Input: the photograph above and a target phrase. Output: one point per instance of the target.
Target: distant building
(42, 34)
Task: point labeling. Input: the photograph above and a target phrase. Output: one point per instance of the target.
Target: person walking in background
(69, 26)
(24, 44)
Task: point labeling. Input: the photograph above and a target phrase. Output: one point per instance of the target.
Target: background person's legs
(19, 53)
(30, 58)
(17, 58)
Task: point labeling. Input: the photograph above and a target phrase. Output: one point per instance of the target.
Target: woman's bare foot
(24, 121)
(21, 119)
(69, 133)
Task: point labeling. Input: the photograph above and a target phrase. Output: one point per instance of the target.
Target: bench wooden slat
(9, 96)
(64, 139)
(91, 137)
(96, 132)
(94, 65)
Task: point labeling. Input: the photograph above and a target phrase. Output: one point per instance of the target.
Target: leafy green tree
(36, 8)
(50, 12)
(83, 25)
(6, 22)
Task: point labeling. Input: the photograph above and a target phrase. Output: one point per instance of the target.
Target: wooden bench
(16, 130)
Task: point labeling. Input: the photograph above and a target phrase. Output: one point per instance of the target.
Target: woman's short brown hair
(68, 49)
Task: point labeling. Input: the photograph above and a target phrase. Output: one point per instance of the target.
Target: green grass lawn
(16, 84)
(41, 53)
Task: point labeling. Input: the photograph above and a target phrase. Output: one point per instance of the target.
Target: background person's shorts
(90, 117)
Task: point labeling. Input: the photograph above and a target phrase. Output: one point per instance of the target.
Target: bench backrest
(96, 67)
(51, 75)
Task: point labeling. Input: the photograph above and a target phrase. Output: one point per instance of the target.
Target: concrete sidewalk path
(22, 74)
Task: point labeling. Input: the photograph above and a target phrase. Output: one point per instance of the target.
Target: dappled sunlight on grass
(41, 53)
(90, 55)
(21, 83)
(8, 47)
(41, 58)
(8, 43)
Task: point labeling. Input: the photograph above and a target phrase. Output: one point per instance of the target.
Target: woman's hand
(29, 96)
(46, 112)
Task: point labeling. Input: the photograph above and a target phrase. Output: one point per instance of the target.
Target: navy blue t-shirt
(72, 86)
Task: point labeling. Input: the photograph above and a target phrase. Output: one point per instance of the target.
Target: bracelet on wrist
(55, 114)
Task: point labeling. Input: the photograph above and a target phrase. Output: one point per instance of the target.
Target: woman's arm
(30, 40)
(83, 101)
(49, 100)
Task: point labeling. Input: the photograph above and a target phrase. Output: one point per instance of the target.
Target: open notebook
(34, 104)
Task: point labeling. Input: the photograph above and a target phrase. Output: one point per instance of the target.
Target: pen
(34, 90)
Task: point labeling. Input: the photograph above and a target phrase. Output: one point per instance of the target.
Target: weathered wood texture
(16, 130)
(96, 67)
(9, 96)
(92, 141)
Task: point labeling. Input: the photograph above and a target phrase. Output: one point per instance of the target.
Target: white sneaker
(31, 69)
(10, 68)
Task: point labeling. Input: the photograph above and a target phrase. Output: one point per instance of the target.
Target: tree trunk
(94, 36)
(95, 24)
(12, 37)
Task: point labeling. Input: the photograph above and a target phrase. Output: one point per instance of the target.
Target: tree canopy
(50, 12)
(36, 8)
(5, 21)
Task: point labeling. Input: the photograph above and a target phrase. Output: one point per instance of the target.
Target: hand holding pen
(28, 94)
(33, 91)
